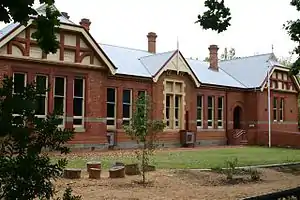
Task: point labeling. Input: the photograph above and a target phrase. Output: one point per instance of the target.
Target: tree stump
(119, 164)
(132, 169)
(117, 172)
(72, 173)
(90, 165)
(94, 173)
(149, 168)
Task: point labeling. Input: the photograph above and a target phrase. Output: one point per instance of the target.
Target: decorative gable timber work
(178, 64)
(76, 47)
(280, 80)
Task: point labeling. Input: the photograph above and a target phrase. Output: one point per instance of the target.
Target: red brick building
(220, 102)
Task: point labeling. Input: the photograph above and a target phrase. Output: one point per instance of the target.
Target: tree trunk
(72, 173)
(94, 173)
(117, 172)
(90, 165)
(143, 164)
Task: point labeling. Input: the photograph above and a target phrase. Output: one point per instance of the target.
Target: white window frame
(281, 109)
(201, 108)
(115, 107)
(83, 102)
(25, 84)
(45, 95)
(212, 110)
(64, 102)
(222, 114)
(130, 107)
(275, 119)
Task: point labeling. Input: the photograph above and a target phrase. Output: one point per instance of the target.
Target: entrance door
(237, 117)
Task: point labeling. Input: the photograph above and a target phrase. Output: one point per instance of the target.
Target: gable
(76, 47)
(280, 80)
(178, 64)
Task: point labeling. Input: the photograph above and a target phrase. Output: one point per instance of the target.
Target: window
(19, 84)
(275, 108)
(78, 102)
(220, 112)
(60, 97)
(281, 109)
(210, 112)
(126, 106)
(173, 104)
(111, 107)
(199, 111)
(42, 100)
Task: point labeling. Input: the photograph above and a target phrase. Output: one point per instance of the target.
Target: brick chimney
(213, 57)
(85, 23)
(152, 42)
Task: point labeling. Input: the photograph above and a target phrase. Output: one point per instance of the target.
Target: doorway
(237, 117)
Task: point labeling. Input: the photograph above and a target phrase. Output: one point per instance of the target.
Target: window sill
(79, 129)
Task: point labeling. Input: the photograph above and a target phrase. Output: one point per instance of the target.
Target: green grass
(202, 158)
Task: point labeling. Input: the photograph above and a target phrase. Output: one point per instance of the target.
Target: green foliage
(228, 55)
(254, 174)
(217, 17)
(68, 195)
(231, 168)
(25, 171)
(21, 11)
(144, 131)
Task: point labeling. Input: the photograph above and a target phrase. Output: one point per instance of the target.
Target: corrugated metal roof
(251, 71)
(154, 63)
(208, 76)
(127, 60)
(6, 30)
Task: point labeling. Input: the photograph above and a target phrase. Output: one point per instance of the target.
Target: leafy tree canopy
(218, 17)
(47, 25)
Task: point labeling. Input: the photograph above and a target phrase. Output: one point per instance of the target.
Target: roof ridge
(234, 77)
(130, 48)
(245, 57)
(157, 54)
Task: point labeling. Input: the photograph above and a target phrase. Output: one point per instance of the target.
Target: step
(244, 142)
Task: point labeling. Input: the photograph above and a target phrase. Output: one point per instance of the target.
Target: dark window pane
(168, 101)
(40, 105)
(177, 101)
(177, 123)
(280, 115)
(125, 122)
(126, 111)
(41, 84)
(126, 96)
(19, 83)
(59, 86)
(220, 114)
(275, 114)
(209, 123)
(199, 101)
(60, 121)
(110, 110)
(220, 102)
(18, 120)
(110, 122)
(275, 102)
(210, 115)
(111, 95)
(220, 123)
(199, 123)
(59, 104)
(167, 113)
(77, 121)
(168, 123)
(210, 101)
(77, 106)
(199, 114)
(176, 113)
(78, 87)
(281, 103)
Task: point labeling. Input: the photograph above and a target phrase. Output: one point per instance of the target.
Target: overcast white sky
(256, 24)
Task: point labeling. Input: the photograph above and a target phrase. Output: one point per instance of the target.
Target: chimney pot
(65, 14)
(152, 42)
(85, 23)
(213, 57)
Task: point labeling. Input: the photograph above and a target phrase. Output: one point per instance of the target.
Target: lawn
(188, 159)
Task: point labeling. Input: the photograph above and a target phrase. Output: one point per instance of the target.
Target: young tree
(144, 131)
(25, 169)
(47, 26)
(228, 55)
(218, 17)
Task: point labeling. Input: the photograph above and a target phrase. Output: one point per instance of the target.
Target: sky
(256, 25)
